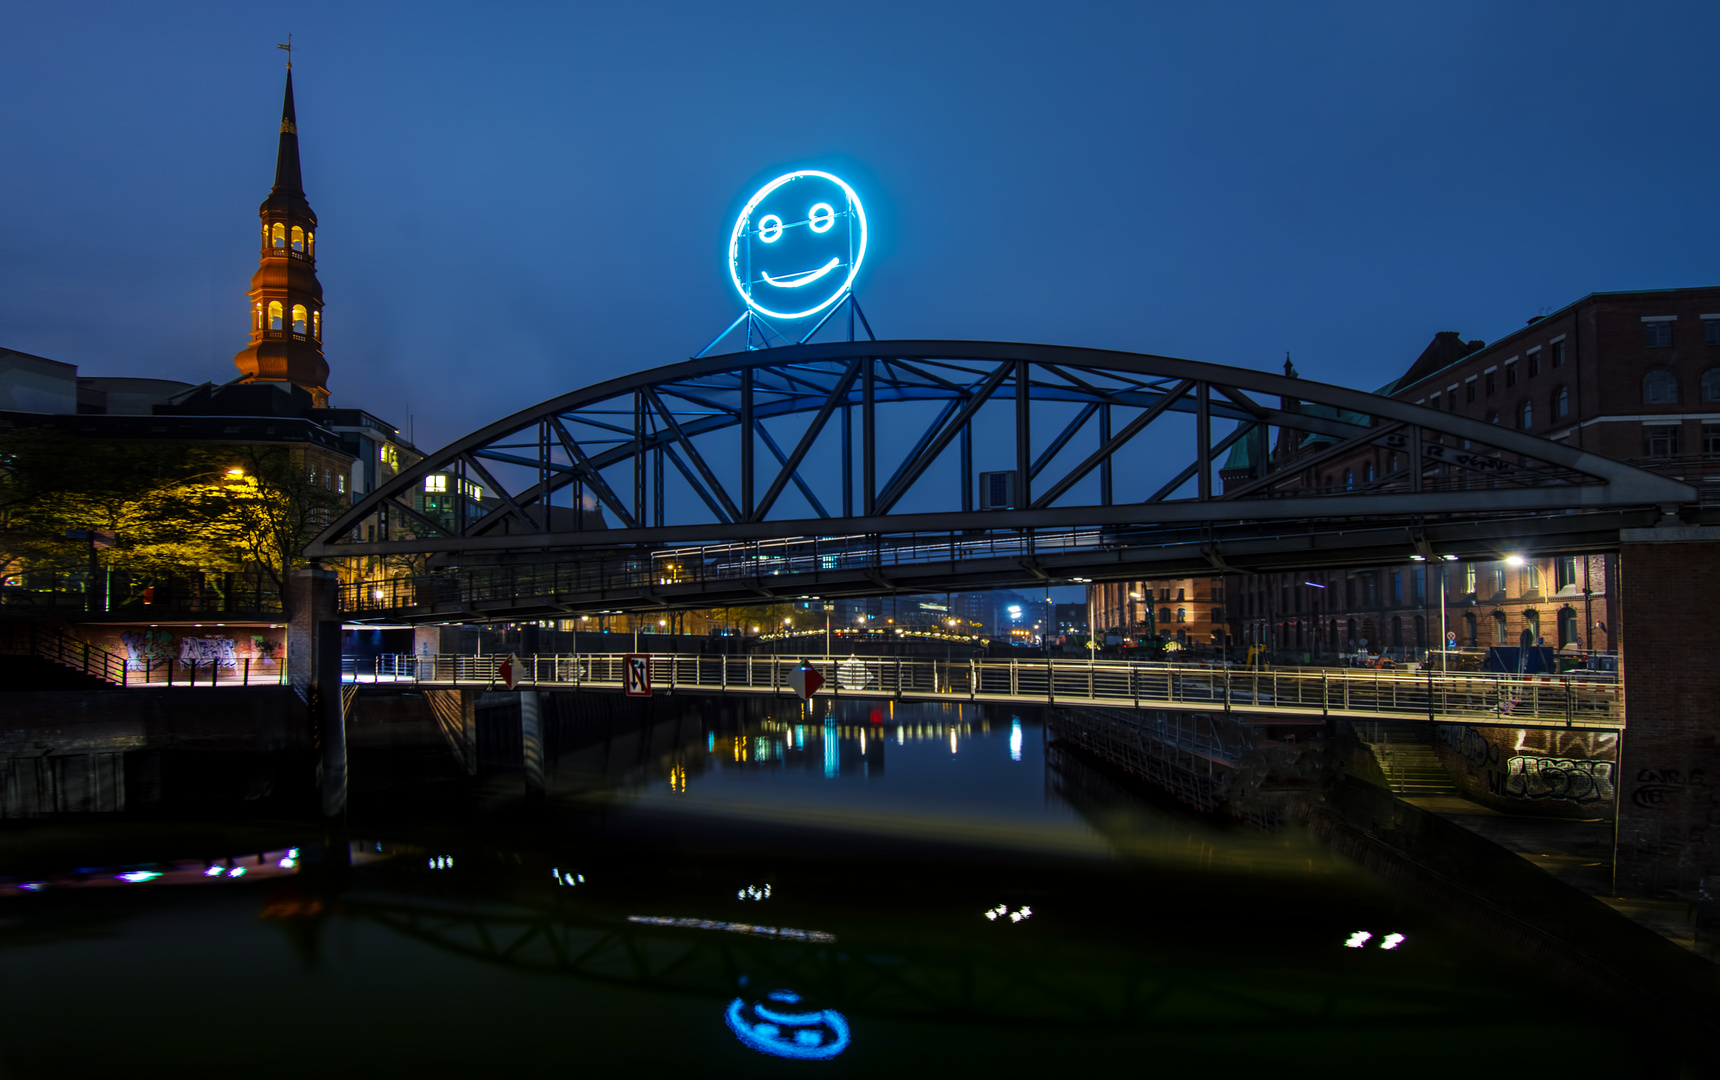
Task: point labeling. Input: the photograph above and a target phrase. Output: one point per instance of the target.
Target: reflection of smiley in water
(781, 1026)
(797, 245)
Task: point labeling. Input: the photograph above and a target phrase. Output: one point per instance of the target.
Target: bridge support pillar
(1668, 778)
(531, 741)
(313, 667)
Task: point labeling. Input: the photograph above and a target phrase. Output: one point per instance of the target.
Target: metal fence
(1525, 701)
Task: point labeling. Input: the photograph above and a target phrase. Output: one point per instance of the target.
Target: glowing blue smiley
(797, 245)
(770, 1028)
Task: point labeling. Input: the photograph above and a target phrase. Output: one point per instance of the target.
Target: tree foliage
(174, 508)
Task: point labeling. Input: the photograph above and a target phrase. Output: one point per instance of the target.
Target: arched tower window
(278, 234)
(301, 319)
(1526, 416)
(316, 325)
(1660, 388)
(257, 316)
(298, 238)
(310, 243)
(1561, 403)
(265, 234)
(274, 314)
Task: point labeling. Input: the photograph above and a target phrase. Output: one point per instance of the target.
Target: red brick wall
(1669, 817)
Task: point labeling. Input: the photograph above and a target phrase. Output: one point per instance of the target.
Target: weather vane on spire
(289, 47)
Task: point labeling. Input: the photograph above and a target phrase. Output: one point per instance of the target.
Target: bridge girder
(760, 442)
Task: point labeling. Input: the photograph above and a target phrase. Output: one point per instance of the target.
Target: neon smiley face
(797, 245)
(780, 1027)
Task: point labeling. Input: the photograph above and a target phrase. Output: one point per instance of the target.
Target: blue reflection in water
(814, 1035)
(832, 748)
(1015, 740)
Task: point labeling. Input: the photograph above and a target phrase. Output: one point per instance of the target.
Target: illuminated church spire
(286, 298)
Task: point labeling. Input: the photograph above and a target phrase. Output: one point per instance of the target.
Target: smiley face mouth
(797, 280)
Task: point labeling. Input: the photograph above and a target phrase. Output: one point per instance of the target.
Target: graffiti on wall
(209, 650)
(143, 647)
(1470, 743)
(1655, 786)
(1577, 779)
(266, 650)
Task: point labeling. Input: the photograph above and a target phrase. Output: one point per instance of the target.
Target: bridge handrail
(1453, 697)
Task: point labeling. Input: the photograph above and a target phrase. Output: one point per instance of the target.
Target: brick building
(1189, 611)
(1629, 375)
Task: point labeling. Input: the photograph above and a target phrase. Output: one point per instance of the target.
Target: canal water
(873, 890)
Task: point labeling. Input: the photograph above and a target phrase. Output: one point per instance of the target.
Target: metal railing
(119, 671)
(1523, 701)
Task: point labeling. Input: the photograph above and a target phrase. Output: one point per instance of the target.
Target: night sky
(519, 200)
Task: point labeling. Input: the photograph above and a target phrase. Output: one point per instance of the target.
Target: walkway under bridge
(1280, 696)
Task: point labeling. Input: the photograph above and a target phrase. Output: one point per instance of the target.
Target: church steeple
(286, 298)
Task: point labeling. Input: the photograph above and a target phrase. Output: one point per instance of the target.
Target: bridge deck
(1295, 695)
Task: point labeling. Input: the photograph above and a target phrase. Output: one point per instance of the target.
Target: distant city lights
(1360, 939)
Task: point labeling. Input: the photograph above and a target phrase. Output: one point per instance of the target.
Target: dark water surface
(902, 891)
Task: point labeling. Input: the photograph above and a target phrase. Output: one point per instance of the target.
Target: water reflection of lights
(569, 879)
(442, 862)
(998, 912)
(1360, 939)
(177, 872)
(753, 892)
(785, 933)
(1015, 739)
(678, 778)
(952, 740)
(814, 1035)
(832, 750)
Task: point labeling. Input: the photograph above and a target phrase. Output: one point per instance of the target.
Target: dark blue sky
(518, 200)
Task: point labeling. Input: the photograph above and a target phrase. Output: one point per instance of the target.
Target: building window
(1392, 463)
(1511, 373)
(310, 243)
(1182, 614)
(1526, 416)
(1660, 440)
(257, 316)
(1469, 578)
(1711, 331)
(275, 314)
(279, 235)
(1531, 578)
(1711, 439)
(1659, 387)
(300, 319)
(1420, 584)
(1499, 627)
(1498, 582)
(1568, 627)
(1657, 334)
(1565, 572)
(1165, 615)
(1349, 480)
(316, 325)
(1490, 381)
(1493, 419)
(298, 239)
(1451, 400)
(1397, 631)
(436, 482)
(1534, 361)
(1397, 586)
(1368, 472)
(1558, 354)
(1470, 630)
(1561, 403)
(1433, 401)
(1469, 391)
(1532, 625)
(1711, 383)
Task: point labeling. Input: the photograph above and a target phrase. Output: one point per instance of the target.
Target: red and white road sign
(806, 681)
(637, 668)
(508, 672)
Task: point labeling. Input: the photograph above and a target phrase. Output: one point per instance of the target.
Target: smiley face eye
(770, 228)
(821, 217)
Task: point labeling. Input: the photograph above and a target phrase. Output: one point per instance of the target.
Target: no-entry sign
(638, 671)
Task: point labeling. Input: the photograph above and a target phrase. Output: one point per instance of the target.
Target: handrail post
(1430, 695)
(1325, 694)
(1227, 691)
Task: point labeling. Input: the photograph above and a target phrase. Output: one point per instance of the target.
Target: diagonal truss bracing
(695, 452)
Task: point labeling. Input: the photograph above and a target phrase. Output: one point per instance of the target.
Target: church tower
(286, 298)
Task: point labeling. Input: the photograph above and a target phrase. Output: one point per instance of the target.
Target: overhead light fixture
(1419, 558)
(1449, 558)
(1515, 560)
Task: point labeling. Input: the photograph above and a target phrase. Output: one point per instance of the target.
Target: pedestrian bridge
(1284, 696)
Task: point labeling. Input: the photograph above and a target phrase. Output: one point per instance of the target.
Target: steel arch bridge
(874, 466)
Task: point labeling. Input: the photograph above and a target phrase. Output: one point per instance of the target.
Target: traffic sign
(508, 672)
(638, 670)
(1451, 639)
(805, 681)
